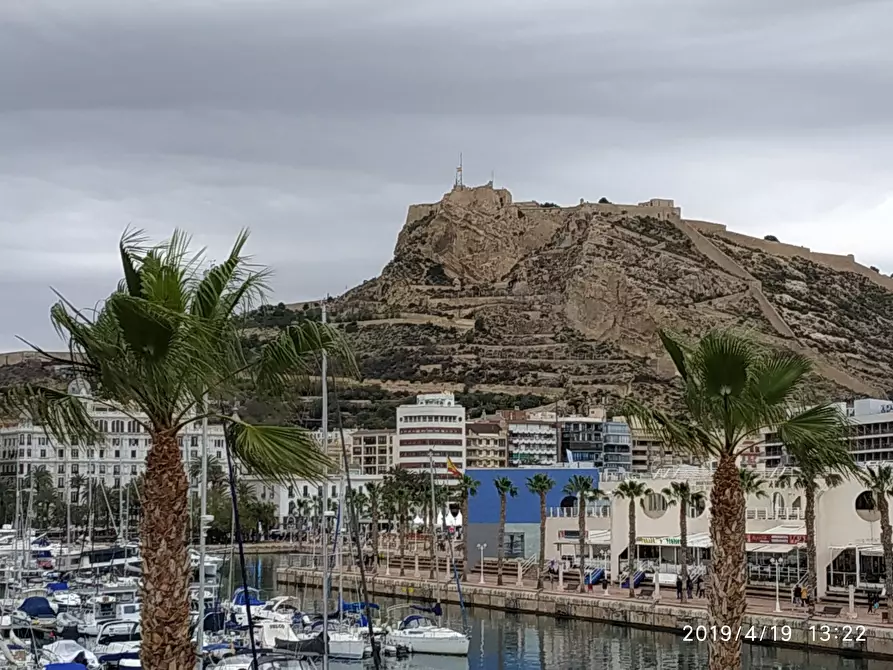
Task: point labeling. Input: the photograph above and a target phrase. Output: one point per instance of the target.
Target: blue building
(522, 518)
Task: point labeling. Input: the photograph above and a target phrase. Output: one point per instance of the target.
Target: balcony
(603, 512)
(776, 514)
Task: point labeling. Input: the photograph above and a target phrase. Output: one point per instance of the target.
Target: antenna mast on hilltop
(459, 183)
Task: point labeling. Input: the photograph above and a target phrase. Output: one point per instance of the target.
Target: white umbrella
(418, 521)
(458, 520)
(440, 518)
(450, 519)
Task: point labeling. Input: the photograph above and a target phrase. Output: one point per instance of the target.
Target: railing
(776, 514)
(602, 512)
(765, 574)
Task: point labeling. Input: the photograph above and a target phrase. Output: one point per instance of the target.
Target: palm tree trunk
(401, 529)
(375, 533)
(683, 542)
(812, 575)
(165, 586)
(581, 530)
(631, 548)
(500, 540)
(726, 593)
(887, 543)
(542, 561)
(465, 537)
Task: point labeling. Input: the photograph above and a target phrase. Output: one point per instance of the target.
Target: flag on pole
(452, 469)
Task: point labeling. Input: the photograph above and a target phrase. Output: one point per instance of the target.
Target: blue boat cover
(57, 586)
(436, 610)
(65, 666)
(36, 606)
(239, 598)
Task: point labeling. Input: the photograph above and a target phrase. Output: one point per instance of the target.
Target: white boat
(61, 597)
(118, 643)
(240, 603)
(281, 608)
(424, 635)
(34, 611)
(68, 651)
(266, 662)
(100, 609)
(344, 643)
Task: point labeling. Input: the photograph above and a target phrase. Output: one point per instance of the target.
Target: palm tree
(682, 494)
(631, 490)
(584, 488)
(732, 388)
(808, 475)
(399, 487)
(752, 484)
(467, 487)
(880, 482)
(505, 488)
(540, 484)
(166, 337)
(374, 494)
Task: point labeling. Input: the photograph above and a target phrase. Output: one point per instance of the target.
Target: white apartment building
(434, 424)
(300, 494)
(871, 434)
(117, 458)
(532, 443)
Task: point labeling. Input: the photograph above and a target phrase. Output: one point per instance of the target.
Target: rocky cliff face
(486, 292)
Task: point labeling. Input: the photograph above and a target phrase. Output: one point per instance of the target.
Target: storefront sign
(660, 541)
(762, 538)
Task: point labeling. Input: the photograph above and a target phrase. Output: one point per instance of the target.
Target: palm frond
(676, 353)
(277, 453)
(61, 413)
(131, 246)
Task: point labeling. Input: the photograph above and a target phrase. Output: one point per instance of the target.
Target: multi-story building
(333, 447)
(300, 498)
(605, 444)
(434, 427)
(532, 443)
(373, 450)
(115, 459)
(870, 439)
(486, 444)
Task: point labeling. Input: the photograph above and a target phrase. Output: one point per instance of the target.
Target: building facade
(532, 443)
(432, 428)
(373, 450)
(603, 444)
(117, 458)
(486, 444)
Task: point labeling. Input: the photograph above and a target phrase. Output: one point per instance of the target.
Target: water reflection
(527, 642)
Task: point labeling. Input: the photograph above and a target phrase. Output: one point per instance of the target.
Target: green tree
(584, 488)
(681, 493)
(505, 489)
(540, 484)
(374, 493)
(166, 337)
(732, 388)
(631, 490)
(752, 484)
(879, 481)
(399, 490)
(468, 486)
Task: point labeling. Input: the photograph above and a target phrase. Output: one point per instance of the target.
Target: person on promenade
(689, 586)
(679, 588)
(699, 583)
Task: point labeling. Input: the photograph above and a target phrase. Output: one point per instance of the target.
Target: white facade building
(532, 443)
(117, 458)
(434, 424)
(302, 492)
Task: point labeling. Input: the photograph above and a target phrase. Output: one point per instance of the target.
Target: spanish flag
(452, 469)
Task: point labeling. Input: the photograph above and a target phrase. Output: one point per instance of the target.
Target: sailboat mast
(433, 512)
(325, 504)
(203, 510)
(340, 544)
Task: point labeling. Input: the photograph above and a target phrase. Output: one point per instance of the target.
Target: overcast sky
(315, 123)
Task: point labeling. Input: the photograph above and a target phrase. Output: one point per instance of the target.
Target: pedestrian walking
(700, 586)
(679, 588)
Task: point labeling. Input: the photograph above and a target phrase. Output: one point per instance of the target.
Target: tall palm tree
(732, 388)
(166, 337)
(399, 486)
(681, 493)
(632, 490)
(505, 488)
(752, 484)
(468, 486)
(584, 488)
(880, 482)
(809, 475)
(540, 484)
(374, 494)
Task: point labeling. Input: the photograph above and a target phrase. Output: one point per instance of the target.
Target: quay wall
(638, 613)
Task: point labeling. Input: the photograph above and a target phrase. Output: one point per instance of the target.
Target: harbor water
(527, 642)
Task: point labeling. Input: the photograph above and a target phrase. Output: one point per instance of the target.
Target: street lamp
(482, 547)
(777, 563)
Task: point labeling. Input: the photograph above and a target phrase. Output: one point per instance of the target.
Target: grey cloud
(316, 123)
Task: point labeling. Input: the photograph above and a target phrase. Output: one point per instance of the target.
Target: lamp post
(482, 547)
(777, 563)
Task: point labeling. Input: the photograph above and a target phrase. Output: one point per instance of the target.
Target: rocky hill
(487, 293)
(536, 302)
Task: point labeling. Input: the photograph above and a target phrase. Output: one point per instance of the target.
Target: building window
(102, 469)
(133, 469)
(74, 453)
(117, 453)
(193, 441)
(134, 442)
(102, 453)
(116, 470)
(133, 453)
(43, 453)
(74, 468)
(60, 483)
(60, 453)
(89, 453)
(117, 482)
(28, 440)
(29, 453)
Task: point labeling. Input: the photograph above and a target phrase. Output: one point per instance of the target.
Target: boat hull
(433, 645)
